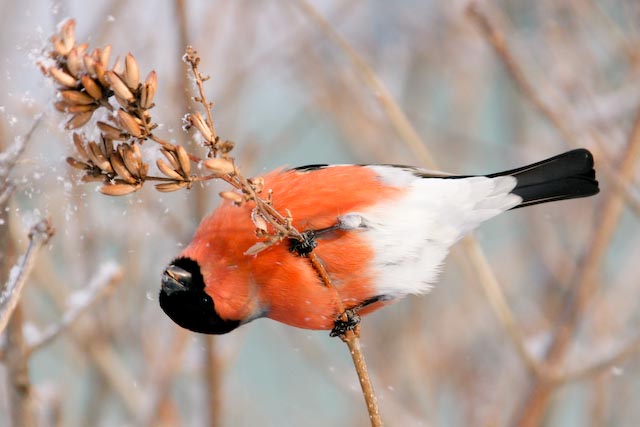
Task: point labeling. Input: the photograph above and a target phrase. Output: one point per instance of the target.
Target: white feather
(412, 236)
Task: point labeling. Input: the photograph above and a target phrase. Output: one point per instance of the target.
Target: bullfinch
(383, 232)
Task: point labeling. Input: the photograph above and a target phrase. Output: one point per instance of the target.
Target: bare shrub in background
(493, 85)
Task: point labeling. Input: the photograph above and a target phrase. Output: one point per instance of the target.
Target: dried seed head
(119, 189)
(79, 142)
(171, 157)
(78, 120)
(258, 220)
(76, 97)
(219, 166)
(76, 164)
(171, 186)
(105, 53)
(257, 183)
(74, 62)
(67, 35)
(62, 78)
(92, 88)
(61, 106)
(118, 166)
(197, 121)
(110, 132)
(131, 75)
(132, 161)
(101, 70)
(98, 158)
(148, 91)
(183, 159)
(233, 196)
(119, 87)
(89, 64)
(77, 108)
(168, 171)
(129, 123)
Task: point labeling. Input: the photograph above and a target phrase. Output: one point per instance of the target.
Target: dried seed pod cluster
(87, 83)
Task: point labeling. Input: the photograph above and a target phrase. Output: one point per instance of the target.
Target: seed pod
(78, 120)
(77, 108)
(118, 86)
(89, 64)
(110, 132)
(62, 78)
(199, 123)
(219, 166)
(183, 159)
(76, 164)
(170, 186)
(129, 123)
(68, 36)
(148, 90)
(98, 158)
(58, 46)
(257, 183)
(168, 171)
(79, 142)
(105, 53)
(119, 189)
(74, 62)
(258, 220)
(101, 70)
(132, 162)
(171, 157)
(233, 196)
(118, 166)
(131, 75)
(76, 97)
(62, 106)
(91, 87)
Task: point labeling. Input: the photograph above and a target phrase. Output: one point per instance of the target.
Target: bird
(382, 232)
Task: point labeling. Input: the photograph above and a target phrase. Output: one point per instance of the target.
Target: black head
(183, 299)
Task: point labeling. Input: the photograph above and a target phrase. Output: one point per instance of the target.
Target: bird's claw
(347, 321)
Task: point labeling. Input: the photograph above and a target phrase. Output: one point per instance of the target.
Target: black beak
(175, 279)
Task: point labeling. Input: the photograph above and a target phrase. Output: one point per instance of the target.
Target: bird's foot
(347, 321)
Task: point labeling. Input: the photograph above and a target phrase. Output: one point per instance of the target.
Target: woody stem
(352, 338)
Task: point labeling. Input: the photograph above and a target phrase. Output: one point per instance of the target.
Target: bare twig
(102, 283)
(38, 236)
(16, 362)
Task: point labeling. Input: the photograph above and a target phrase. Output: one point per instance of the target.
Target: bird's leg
(308, 243)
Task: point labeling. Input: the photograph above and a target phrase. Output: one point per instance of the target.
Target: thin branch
(107, 277)
(38, 237)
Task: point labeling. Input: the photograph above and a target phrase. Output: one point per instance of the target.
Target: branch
(107, 277)
(38, 236)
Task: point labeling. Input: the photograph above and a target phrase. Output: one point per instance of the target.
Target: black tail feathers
(566, 176)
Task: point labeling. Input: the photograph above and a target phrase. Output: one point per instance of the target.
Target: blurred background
(296, 83)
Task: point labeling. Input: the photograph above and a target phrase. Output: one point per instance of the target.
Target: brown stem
(20, 400)
(352, 339)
